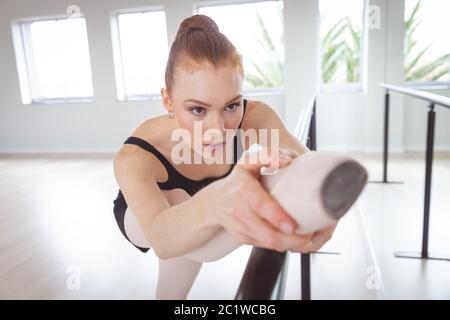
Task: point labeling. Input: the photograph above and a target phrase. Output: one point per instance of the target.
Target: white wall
(339, 121)
(346, 121)
(416, 113)
(301, 35)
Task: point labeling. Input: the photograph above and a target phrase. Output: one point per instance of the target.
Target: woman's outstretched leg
(175, 277)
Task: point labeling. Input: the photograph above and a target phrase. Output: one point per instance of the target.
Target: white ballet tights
(176, 277)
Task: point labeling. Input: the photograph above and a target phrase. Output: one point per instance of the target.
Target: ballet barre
(432, 99)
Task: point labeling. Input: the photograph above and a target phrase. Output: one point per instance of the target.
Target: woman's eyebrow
(207, 104)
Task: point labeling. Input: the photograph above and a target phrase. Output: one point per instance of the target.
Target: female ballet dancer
(182, 208)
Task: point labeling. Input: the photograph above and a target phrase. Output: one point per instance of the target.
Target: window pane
(341, 25)
(427, 40)
(59, 64)
(260, 41)
(143, 51)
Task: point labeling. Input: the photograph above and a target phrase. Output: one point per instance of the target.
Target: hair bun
(197, 22)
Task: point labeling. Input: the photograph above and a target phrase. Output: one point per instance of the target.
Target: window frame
(424, 84)
(117, 53)
(348, 86)
(255, 92)
(20, 29)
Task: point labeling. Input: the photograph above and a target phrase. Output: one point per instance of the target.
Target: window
(53, 60)
(140, 53)
(341, 25)
(427, 44)
(260, 42)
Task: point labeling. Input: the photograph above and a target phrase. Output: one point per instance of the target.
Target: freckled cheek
(186, 122)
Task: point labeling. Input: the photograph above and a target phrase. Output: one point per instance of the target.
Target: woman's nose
(216, 123)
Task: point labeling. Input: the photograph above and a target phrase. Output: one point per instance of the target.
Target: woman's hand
(248, 212)
(319, 238)
(252, 216)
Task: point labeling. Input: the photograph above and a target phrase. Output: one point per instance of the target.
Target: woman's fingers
(266, 160)
(261, 231)
(260, 220)
(268, 237)
(262, 203)
(319, 238)
(252, 162)
(289, 152)
(282, 159)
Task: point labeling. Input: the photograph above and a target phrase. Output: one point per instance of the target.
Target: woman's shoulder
(255, 110)
(150, 131)
(253, 103)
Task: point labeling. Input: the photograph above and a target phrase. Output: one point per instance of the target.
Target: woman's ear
(166, 100)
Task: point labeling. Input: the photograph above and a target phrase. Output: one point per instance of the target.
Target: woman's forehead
(207, 71)
(208, 85)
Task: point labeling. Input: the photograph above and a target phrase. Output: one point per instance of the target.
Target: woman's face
(209, 100)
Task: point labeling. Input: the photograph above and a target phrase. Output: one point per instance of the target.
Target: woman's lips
(214, 145)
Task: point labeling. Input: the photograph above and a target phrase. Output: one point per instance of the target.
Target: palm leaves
(414, 68)
(341, 49)
(341, 53)
(269, 72)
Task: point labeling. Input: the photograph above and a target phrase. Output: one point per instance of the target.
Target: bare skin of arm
(176, 230)
(170, 230)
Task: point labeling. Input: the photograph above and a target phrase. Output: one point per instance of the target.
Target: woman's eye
(233, 107)
(197, 111)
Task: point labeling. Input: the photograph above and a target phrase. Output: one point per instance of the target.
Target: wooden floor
(59, 239)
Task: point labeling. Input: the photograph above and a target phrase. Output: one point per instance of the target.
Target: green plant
(268, 73)
(415, 70)
(341, 49)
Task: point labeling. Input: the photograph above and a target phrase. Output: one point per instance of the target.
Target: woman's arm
(180, 229)
(170, 230)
